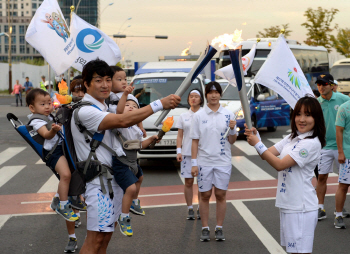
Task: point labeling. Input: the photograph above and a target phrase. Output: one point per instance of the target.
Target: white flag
(48, 33)
(227, 71)
(282, 73)
(92, 43)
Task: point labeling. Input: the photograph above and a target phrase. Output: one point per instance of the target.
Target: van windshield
(341, 72)
(151, 89)
(231, 93)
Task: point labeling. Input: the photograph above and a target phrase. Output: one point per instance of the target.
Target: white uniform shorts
(327, 158)
(213, 175)
(344, 172)
(297, 231)
(102, 212)
(186, 167)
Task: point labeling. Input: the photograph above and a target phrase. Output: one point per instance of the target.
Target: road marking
(4, 219)
(290, 130)
(333, 174)
(40, 161)
(245, 147)
(284, 136)
(8, 172)
(275, 140)
(9, 153)
(269, 242)
(249, 169)
(50, 185)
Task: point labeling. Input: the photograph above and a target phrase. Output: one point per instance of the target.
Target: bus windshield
(231, 93)
(341, 72)
(151, 89)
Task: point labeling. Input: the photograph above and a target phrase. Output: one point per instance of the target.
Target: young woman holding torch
(184, 142)
(298, 154)
(213, 152)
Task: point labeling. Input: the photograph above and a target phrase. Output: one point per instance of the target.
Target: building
(21, 13)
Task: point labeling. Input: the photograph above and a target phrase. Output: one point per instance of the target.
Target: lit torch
(168, 123)
(202, 61)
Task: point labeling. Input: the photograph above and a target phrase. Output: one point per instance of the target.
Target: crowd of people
(317, 140)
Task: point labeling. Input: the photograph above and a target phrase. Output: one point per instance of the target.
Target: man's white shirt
(295, 192)
(91, 118)
(210, 127)
(184, 123)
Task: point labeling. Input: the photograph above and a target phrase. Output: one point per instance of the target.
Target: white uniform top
(209, 127)
(91, 118)
(184, 123)
(48, 143)
(295, 191)
(130, 133)
(116, 97)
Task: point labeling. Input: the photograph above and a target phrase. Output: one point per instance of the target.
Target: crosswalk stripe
(249, 169)
(40, 161)
(245, 147)
(8, 172)
(264, 236)
(9, 153)
(50, 185)
(3, 219)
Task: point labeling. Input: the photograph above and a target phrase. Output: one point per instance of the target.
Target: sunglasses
(323, 84)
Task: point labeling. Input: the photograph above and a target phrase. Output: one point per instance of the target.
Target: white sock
(321, 206)
(136, 201)
(78, 214)
(190, 207)
(205, 227)
(218, 227)
(338, 214)
(72, 235)
(57, 195)
(63, 202)
(124, 215)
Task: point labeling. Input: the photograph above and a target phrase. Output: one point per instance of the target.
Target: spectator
(28, 85)
(17, 90)
(42, 83)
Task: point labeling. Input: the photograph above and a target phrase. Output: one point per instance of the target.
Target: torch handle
(160, 135)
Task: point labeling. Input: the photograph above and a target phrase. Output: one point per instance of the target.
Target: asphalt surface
(251, 224)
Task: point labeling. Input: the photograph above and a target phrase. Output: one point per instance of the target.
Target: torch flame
(168, 123)
(228, 41)
(186, 50)
(63, 96)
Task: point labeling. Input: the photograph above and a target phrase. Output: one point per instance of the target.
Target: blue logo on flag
(89, 48)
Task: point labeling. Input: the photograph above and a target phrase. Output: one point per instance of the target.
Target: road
(27, 225)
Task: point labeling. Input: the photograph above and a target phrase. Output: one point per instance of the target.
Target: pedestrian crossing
(246, 164)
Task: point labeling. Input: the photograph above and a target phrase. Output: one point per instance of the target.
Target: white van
(155, 80)
(341, 72)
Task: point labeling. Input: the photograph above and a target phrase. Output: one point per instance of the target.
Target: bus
(313, 60)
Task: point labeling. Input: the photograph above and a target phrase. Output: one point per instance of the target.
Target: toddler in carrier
(41, 106)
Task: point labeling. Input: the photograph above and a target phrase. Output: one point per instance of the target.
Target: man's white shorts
(213, 175)
(344, 172)
(186, 167)
(325, 165)
(297, 231)
(102, 212)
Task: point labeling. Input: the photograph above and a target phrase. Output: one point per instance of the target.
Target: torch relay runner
(211, 157)
(298, 154)
(183, 143)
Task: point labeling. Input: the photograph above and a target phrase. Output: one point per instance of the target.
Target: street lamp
(10, 45)
(102, 12)
(155, 36)
(123, 24)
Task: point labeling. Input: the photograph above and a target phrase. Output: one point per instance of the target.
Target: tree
(342, 42)
(274, 32)
(319, 27)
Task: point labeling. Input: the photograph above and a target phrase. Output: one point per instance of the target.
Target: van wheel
(272, 129)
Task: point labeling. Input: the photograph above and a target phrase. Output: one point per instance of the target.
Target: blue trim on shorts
(123, 175)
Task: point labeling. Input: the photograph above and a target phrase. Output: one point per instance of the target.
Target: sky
(199, 21)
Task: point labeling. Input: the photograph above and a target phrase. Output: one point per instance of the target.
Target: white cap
(336, 82)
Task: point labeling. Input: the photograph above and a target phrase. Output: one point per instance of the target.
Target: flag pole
(72, 8)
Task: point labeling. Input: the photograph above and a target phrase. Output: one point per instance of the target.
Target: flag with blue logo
(92, 43)
(48, 33)
(282, 73)
(227, 71)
